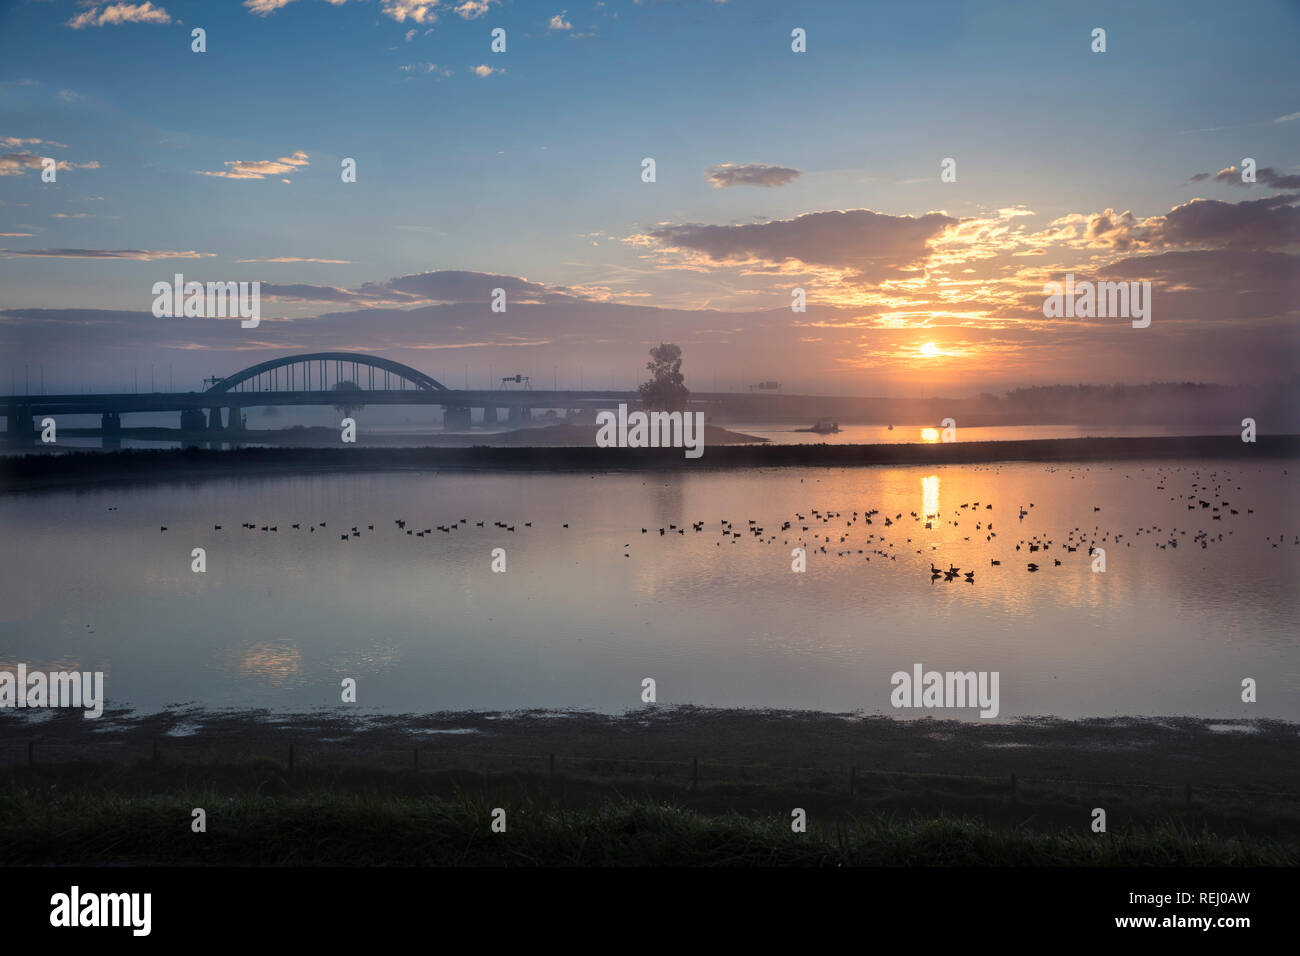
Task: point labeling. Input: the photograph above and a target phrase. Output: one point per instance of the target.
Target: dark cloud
(456, 286)
(1257, 224)
(1220, 287)
(1268, 223)
(302, 292)
(750, 174)
(449, 286)
(870, 244)
(1219, 268)
(1264, 176)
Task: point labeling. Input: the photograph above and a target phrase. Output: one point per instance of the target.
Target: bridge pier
(20, 427)
(192, 420)
(110, 430)
(456, 417)
(234, 419)
(520, 416)
(214, 420)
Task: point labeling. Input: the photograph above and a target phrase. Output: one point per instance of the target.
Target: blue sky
(534, 172)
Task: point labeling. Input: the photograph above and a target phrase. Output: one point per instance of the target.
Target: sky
(775, 170)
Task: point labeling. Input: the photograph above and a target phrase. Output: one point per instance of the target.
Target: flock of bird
(830, 532)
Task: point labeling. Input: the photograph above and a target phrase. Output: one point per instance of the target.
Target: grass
(257, 814)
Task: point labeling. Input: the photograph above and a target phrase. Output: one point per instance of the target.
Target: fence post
(853, 774)
(1014, 794)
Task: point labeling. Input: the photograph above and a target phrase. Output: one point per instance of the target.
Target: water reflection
(716, 618)
(930, 496)
(272, 663)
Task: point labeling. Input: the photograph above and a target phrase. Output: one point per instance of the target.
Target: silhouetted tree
(348, 407)
(666, 391)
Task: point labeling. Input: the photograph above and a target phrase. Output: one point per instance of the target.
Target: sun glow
(930, 350)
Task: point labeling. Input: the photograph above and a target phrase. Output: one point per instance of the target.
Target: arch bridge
(342, 379)
(311, 372)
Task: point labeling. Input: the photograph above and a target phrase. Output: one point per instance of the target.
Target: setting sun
(930, 350)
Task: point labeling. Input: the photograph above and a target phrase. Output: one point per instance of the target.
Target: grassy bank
(261, 813)
(653, 786)
(361, 831)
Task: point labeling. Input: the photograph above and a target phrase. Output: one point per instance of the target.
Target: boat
(824, 426)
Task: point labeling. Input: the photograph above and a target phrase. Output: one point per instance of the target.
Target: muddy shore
(1254, 755)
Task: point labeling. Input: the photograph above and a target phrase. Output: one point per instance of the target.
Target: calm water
(584, 613)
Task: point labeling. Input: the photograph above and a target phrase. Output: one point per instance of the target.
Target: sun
(930, 350)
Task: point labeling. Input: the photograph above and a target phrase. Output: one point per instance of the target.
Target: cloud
(119, 13)
(425, 288)
(1220, 287)
(139, 255)
(418, 11)
(1288, 118)
(297, 259)
(425, 68)
(303, 292)
(1265, 176)
(484, 70)
(13, 142)
(265, 7)
(462, 286)
(558, 22)
(1230, 269)
(15, 164)
(750, 174)
(259, 168)
(1256, 224)
(473, 9)
(16, 235)
(867, 245)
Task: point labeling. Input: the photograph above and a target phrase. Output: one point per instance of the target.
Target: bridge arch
(315, 368)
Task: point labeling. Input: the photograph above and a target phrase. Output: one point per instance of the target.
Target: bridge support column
(110, 430)
(214, 420)
(234, 419)
(455, 417)
(20, 429)
(520, 416)
(192, 420)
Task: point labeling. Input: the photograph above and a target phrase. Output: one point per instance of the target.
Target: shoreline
(79, 468)
(1255, 753)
